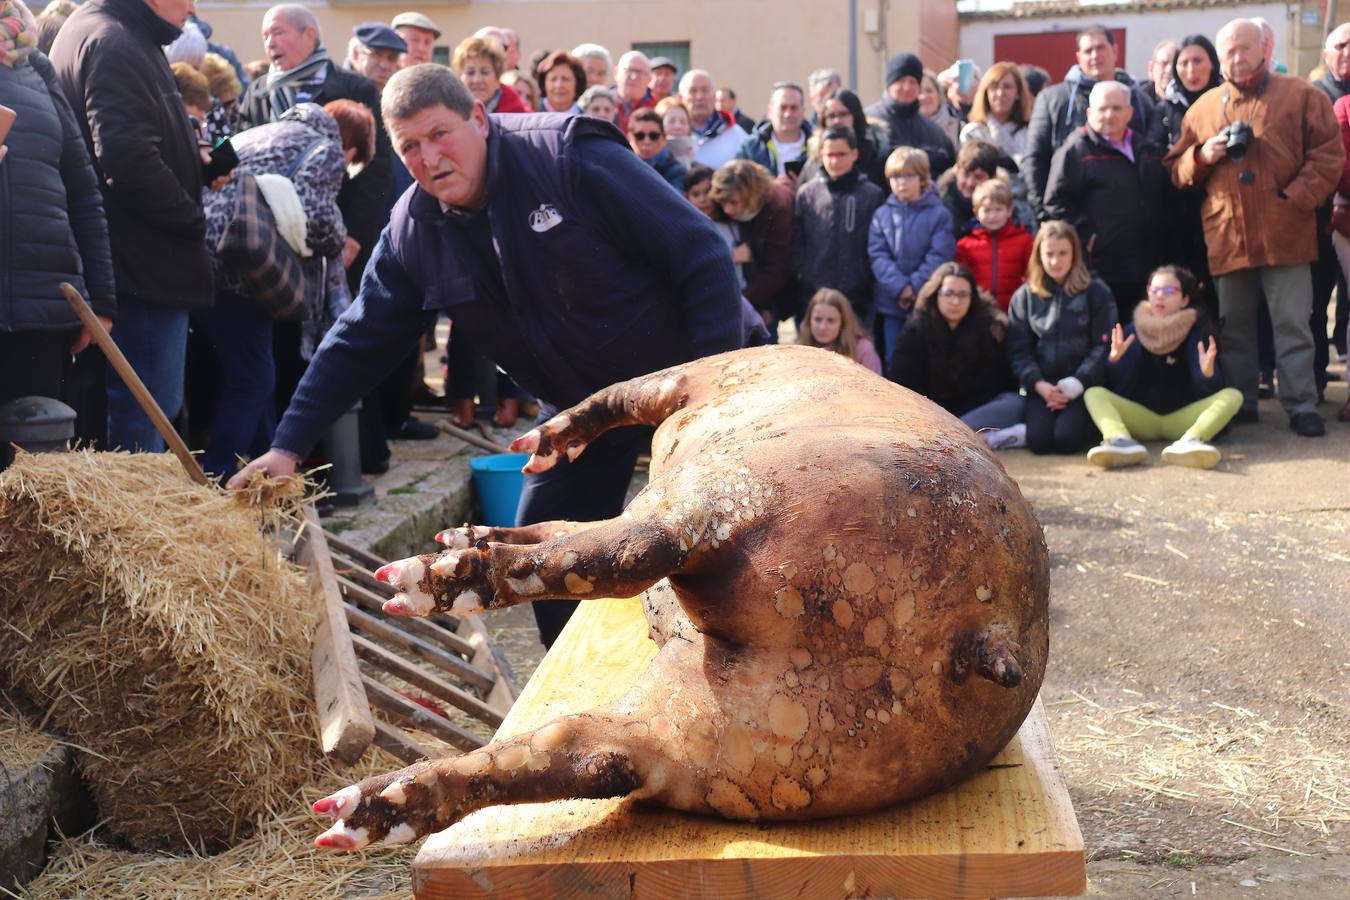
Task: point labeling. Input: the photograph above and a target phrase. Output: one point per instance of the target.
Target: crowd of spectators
(1064, 266)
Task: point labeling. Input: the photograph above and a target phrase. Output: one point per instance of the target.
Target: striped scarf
(18, 33)
(282, 87)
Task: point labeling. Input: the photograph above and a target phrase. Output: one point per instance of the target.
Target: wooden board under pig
(381, 679)
(1009, 830)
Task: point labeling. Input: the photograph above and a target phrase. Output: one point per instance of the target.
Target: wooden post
(134, 383)
(345, 724)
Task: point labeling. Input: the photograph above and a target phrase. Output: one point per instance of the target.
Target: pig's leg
(648, 400)
(616, 558)
(468, 535)
(590, 755)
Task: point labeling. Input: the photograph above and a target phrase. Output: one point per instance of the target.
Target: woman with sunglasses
(1162, 381)
(647, 136)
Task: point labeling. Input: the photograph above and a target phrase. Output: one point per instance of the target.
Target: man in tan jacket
(1259, 212)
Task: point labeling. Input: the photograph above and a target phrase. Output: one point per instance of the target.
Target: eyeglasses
(646, 135)
(1165, 291)
(954, 295)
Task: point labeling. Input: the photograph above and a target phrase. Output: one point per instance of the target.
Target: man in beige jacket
(1259, 212)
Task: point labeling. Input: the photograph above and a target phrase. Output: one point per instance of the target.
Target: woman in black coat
(1195, 70)
(54, 229)
(952, 352)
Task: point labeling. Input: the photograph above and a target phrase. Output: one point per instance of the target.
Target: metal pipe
(853, 45)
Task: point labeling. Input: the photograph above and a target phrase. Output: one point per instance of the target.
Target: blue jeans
(241, 334)
(154, 341)
(888, 330)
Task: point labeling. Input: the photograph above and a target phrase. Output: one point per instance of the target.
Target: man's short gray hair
(297, 16)
(688, 77)
(822, 77)
(423, 86)
(593, 51)
(1102, 88)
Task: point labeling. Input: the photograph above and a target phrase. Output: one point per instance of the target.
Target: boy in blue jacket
(911, 235)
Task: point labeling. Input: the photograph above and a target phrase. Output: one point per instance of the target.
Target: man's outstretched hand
(273, 463)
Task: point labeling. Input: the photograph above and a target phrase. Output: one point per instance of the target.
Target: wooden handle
(133, 381)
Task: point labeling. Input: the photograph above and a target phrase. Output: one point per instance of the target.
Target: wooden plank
(399, 744)
(345, 725)
(482, 652)
(417, 716)
(1009, 830)
(489, 657)
(339, 547)
(396, 665)
(429, 631)
(423, 649)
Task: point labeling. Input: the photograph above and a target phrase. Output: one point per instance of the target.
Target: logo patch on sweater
(544, 218)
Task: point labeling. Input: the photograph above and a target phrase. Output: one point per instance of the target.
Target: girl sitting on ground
(1161, 381)
(830, 324)
(1059, 332)
(952, 352)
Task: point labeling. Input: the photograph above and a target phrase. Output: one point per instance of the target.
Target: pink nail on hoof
(388, 573)
(396, 605)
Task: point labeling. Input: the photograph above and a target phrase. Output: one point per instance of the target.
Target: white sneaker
(1007, 438)
(1192, 453)
(1117, 452)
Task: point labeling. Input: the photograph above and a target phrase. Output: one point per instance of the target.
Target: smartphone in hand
(223, 161)
(793, 167)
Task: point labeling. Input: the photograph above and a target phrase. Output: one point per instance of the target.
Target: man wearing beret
(419, 33)
(374, 51)
(899, 109)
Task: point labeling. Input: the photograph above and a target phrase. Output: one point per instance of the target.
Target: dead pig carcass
(851, 591)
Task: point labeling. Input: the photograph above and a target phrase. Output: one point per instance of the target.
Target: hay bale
(278, 861)
(163, 636)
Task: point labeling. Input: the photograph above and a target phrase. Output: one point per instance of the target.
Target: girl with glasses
(952, 352)
(1162, 381)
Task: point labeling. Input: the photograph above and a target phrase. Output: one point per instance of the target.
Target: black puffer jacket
(909, 128)
(830, 238)
(108, 59)
(1059, 111)
(52, 227)
(1116, 205)
(957, 368)
(1053, 337)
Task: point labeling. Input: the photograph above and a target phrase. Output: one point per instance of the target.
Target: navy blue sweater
(582, 270)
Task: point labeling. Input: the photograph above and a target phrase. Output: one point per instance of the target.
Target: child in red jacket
(997, 250)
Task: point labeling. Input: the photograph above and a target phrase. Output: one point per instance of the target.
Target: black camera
(1240, 137)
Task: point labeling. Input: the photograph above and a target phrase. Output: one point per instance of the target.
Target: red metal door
(1051, 50)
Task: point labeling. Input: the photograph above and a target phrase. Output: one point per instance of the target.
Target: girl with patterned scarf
(1162, 381)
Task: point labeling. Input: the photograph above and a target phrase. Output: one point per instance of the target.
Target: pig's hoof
(367, 813)
(408, 577)
(546, 442)
(464, 536)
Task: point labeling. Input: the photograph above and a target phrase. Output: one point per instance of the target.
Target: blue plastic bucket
(498, 482)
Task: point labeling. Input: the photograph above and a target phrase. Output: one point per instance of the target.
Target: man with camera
(1265, 148)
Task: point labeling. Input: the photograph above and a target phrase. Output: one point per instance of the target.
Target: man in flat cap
(662, 83)
(374, 51)
(419, 33)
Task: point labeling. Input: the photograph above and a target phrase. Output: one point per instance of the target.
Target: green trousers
(1115, 416)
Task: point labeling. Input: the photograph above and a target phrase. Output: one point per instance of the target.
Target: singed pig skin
(849, 591)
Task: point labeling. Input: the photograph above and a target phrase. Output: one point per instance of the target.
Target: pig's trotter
(563, 759)
(648, 400)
